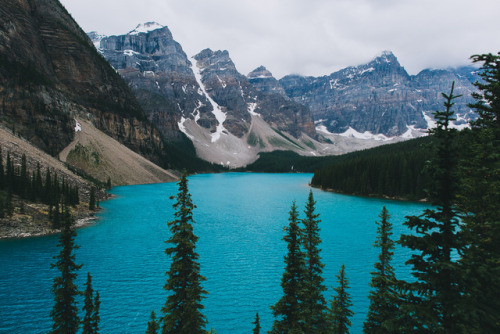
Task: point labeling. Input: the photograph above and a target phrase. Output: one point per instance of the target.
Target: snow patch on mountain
(182, 128)
(145, 27)
(431, 122)
(251, 109)
(365, 135)
(217, 110)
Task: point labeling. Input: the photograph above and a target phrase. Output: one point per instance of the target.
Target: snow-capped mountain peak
(145, 28)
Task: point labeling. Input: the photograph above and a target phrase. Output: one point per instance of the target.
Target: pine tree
(23, 177)
(153, 325)
(383, 297)
(38, 183)
(431, 301)
(287, 312)
(2, 174)
(182, 310)
(88, 306)
(314, 305)
(92, 199)
(95, 314)
(65, 311)
(478, 201)
(340, 311)
(47, 192)
(256, 322)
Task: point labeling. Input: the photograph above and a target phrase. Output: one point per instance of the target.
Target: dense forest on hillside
(396, 170)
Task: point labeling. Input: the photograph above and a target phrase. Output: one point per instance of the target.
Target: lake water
(239, 221)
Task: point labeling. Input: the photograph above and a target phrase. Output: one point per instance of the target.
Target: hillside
(105, 158)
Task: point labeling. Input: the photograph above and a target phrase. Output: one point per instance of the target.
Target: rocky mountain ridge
(215, 106)
(205, 98)
(381, 97)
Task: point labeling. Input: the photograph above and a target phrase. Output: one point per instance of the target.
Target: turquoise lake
(239, 222)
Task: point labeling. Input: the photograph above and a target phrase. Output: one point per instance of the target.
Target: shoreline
(20, 229)
(398, 199)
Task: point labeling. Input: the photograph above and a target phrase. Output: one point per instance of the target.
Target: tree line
(30, 185)
(454, 258)
(394, 170)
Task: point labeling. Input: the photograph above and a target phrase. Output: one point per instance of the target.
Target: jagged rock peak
(260, 72)
(145, 28)
(386, 57)
(216, 60)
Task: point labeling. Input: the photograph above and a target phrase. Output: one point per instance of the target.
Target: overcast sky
(310, 37)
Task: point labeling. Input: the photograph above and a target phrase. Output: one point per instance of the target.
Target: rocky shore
(32, 220)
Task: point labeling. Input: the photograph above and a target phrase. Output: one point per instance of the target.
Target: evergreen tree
(65, 311)
(256, 329)
(431, 301)
(340, 311)
(2, 175)
(479, 198)
(2, 208)
(383, 297)
(47, 191)
(314, 305)
(95, 314)
(182, 310)
(92, 199)
(9, 207)
(287, 312)
(88, 305)
(38, 183)
(153, 325)
(9, 171)
(23, 177)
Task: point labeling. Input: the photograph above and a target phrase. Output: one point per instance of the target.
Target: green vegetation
(19, 181)
(277, 141)
(256, 329)
(84, 154)
(390, 170)
(340, 306)
(65, 311)
(153, 325)
(314, 304)
(91, 308)
(433, 299)
(285, 162)
(383, 297)
(182, 310)
(393, 170)
(288, 312)
(478, 201)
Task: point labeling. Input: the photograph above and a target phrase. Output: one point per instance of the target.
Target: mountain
(51, 75)
(230, 118)
(205, 99)
(380, 98)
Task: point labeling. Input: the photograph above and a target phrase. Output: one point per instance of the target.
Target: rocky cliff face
(50, 72)
(240, 96)
(159, 73)
(379, 97)
(205, 98)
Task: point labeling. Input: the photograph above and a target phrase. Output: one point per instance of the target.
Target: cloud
(313, 37)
